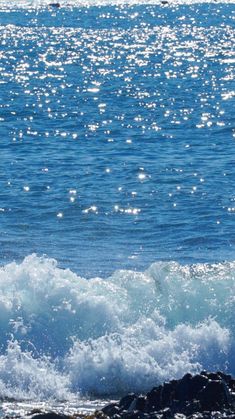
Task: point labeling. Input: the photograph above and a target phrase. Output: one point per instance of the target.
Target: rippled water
(117, 134)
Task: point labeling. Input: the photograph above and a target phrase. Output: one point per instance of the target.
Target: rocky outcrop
(205, 395)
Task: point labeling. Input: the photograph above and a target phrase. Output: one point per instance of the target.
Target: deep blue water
(117, 135)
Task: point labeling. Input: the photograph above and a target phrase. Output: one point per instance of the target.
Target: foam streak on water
(63, 334)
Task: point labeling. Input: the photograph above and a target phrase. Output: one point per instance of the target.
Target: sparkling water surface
(117, 135)
(117, 138)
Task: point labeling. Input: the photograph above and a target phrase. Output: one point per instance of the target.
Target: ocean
(117, 199)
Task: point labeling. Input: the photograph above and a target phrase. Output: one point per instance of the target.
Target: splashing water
(111, 335)
(117, 144)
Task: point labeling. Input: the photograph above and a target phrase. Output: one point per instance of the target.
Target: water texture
(117, 234)
(63, 335)
(117, 135)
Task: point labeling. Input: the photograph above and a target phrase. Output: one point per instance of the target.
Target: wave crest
(111, 335)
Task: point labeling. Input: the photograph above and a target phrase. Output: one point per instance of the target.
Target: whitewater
(117, 234)
(64, 335)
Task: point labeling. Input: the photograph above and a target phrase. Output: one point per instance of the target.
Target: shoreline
(204, 395)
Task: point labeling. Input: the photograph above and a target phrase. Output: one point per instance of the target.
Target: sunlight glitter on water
(129, 99)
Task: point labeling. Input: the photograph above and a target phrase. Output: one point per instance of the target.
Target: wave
(63, 335)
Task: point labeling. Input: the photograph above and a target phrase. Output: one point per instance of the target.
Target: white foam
(62, 334)
(142, 356)
(24, 377)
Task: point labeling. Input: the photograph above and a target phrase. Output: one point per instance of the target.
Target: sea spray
(23, 376)
(62, 334)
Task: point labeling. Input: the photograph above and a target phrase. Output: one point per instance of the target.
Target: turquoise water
(117, 206)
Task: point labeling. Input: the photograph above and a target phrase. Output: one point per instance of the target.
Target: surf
(104, 336)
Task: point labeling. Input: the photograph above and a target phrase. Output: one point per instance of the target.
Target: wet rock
(126, 401)
(192, 407)
(205, 395)
(189, 386)
(214, 395)
(154, 399)
(232, 384)
(56, 5)
(134, 415)
(140, 403)
(183, 386)
(226, 377)
(50, 415)
(212, 376)
(198, 382)
(111, 409)
(168, 394)
(166, 413)
(178, 406)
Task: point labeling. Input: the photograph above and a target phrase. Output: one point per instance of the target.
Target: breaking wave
(62, 334)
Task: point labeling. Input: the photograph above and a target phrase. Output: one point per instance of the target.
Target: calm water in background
(117, 139)
(117, 135)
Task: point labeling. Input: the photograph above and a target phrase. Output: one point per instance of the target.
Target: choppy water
(117, 136)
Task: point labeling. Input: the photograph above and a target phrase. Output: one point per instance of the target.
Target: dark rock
(174, 383)
(197, 384)
(192, 397)
(168, 394)
(178, 406)
(140, 403)
(154, 399)
(135, 414)
(192, 407)
(214, 396)
(126, 401)
(213, 376)
(57, 5)
(226, 377)
(50, 415)
(111, 409)
(188, 387)
(182, 389)
(232, 384)
(166, 413)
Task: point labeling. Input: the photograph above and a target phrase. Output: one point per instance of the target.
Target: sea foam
(63, 335)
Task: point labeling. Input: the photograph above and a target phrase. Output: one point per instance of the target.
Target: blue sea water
(117, 200)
